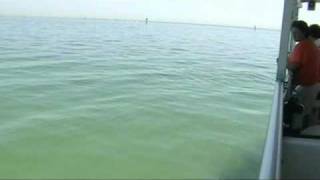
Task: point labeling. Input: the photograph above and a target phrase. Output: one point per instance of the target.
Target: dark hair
(314, 31)
(302, 26)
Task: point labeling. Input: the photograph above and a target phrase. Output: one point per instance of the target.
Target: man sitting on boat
(314, 34)
(304, 62)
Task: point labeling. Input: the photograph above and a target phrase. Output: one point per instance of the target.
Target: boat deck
(300, 158)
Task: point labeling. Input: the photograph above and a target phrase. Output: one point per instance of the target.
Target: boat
(285, 155)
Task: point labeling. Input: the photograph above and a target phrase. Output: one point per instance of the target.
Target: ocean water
(89, 98)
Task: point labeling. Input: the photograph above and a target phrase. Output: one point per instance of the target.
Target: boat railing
(270, 166)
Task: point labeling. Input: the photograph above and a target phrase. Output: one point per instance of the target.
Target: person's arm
(292, 67)
(295, 59)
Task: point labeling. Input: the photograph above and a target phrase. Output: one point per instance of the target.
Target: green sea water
(85, 98)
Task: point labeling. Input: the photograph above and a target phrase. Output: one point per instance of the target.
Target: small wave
(178, 49)
(79, 44)
(111, 40)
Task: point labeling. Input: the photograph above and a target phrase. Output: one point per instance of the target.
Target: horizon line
(149, 21)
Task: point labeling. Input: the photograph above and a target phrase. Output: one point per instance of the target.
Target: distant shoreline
(143, 20)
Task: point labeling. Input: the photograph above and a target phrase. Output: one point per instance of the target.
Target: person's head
(314, 32)
(299, 30)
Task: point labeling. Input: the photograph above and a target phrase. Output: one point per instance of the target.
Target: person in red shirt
(303, 60)
(305, 65)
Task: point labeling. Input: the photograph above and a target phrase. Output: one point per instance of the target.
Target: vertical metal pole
(289, 15)
(295, 14)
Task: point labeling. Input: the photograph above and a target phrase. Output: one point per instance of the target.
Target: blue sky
(262, 13)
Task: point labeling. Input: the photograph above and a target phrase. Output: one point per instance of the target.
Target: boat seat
(300, 158)
(311, 131)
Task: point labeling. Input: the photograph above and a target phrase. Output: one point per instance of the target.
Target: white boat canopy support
(290, 14)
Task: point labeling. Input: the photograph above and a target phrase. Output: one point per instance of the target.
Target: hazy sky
(262, 13)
